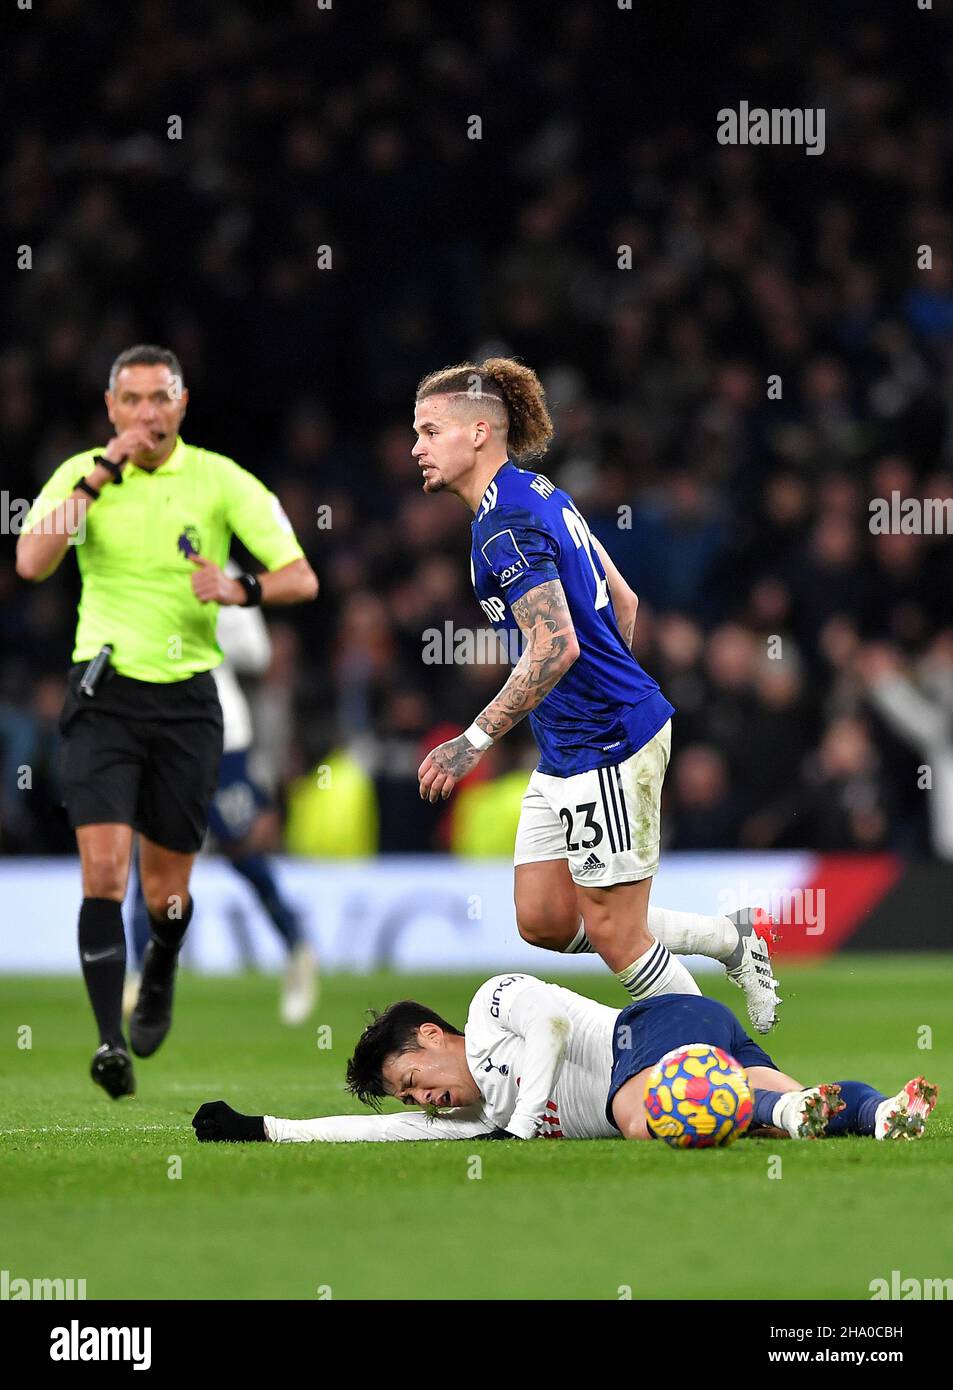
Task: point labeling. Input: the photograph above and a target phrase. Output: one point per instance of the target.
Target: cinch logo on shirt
(495, 1000)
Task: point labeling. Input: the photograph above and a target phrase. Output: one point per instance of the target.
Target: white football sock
(580, 944)
(692, 933)
(684, 933)
(656, 972)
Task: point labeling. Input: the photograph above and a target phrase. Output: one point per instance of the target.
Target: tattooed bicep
(544, 610)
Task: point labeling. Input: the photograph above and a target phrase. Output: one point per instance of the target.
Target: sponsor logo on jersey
(495, 610)
(495, 1000)
(511, 572)
(504, 557)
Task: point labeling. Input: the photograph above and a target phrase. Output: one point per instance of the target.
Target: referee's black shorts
(142, 754)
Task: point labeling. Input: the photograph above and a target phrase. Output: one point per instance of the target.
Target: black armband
(252, 587)
(114, 468)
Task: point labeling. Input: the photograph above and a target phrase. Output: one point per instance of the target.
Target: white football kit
(243, 637)
(541, 1056)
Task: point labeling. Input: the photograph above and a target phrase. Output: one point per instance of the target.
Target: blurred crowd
(742, 347)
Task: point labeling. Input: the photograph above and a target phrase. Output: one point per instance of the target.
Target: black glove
(498, 1134)
(217, 1122)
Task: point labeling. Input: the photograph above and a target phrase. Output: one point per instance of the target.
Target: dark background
(347, 128)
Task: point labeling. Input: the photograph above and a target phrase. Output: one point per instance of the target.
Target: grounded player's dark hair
(387, 1035)
(145, 355)
(529, 428)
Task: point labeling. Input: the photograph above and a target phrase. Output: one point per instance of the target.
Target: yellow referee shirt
(134, 560)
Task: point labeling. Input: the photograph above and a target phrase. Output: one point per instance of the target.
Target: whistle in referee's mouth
(92, 676)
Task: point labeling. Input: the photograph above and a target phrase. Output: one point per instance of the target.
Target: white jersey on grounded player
(541, 1056)
(243, 637)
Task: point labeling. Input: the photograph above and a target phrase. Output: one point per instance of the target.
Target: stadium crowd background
(737, 518)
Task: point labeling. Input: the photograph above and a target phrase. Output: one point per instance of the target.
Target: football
(697, 1097)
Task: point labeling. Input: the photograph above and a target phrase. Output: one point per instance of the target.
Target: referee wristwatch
(252, 587)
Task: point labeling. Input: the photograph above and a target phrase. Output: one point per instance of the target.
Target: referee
(152, 519)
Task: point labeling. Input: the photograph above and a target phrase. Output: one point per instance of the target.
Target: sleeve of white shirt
(243, 634)
(535, 1013)
(465, 1122)
(910, 714)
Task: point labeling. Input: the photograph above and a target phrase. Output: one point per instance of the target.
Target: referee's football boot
(152, 1017)
(112, 1069)
(749, 966)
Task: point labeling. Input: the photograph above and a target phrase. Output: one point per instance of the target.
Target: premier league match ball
(698, 1097)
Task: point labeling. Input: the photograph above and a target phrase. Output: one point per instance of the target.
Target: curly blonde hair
(522, 407)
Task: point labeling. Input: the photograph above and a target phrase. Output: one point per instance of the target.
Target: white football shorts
(606, 823)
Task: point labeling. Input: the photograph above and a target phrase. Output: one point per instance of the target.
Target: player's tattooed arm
(625, 601)
(551, 648)
(627, 627)
(445, 765)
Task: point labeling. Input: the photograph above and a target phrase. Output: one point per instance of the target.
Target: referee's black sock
(167, 932)
(102, 953)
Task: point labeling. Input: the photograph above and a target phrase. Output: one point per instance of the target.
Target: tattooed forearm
(551, 648)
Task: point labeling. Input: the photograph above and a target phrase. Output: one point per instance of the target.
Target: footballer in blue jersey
(587, 844)
(528, 532)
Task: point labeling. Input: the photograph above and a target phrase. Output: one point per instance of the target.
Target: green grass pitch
(85, 1190)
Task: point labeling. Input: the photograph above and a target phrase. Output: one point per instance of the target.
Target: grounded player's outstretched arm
(538, 1017)
(551, 648)
(625, 601)
(216, 1122)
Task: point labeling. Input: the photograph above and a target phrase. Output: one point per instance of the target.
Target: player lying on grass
(537, 1060)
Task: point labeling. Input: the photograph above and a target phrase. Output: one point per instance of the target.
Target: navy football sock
(256, 868)
(764, 1103)
(860, 1115)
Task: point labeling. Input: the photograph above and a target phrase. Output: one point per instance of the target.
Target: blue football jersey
(526, 532)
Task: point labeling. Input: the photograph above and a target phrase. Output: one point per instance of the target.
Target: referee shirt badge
(190, 542)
